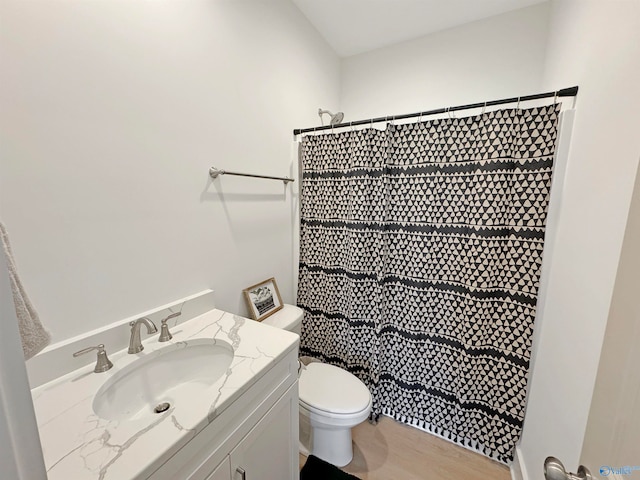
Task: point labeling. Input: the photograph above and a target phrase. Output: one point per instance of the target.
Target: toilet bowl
(332, 401)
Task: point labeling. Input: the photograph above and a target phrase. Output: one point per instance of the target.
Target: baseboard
(517, 470)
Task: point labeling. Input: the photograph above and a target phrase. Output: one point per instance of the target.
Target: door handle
(243, 474)
(554, 470)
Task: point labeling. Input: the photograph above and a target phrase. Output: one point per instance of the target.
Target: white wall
(502, 56)
(595, 45)
(111, 115)
(613, 430)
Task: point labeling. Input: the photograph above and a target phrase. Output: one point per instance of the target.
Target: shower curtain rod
(565, 92)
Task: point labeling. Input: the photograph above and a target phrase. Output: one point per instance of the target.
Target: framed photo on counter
(263, 299)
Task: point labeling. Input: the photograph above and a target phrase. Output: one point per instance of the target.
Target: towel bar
(215, 172)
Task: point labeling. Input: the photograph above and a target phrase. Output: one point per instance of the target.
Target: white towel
(34, 336)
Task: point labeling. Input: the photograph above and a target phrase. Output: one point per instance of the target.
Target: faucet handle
(165, 334)
(103, 363)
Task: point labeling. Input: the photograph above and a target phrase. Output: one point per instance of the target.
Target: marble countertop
(78, 445)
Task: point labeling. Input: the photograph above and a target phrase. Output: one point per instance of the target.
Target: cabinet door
(270, 449)
(222, 471)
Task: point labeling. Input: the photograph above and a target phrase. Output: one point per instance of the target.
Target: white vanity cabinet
(266, 451)
(222, 471)
(222, 416)
(255, 438)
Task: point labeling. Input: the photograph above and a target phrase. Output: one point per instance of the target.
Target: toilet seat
(332, 392)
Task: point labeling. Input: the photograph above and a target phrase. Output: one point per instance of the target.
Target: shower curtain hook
(484, 108)
(518, 105)
(450, 114)
(555, 98)
(351, 136)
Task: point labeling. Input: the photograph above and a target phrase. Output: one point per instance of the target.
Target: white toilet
(332, 401)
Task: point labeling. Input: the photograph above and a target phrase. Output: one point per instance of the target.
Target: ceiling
(357, 26)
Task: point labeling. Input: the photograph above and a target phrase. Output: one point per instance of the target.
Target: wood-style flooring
(393, 451)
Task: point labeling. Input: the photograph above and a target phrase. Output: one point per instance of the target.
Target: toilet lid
(332, 389)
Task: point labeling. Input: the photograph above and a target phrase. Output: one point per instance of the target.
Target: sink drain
(162, 407)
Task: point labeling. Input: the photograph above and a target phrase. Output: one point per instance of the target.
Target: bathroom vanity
(234, 419)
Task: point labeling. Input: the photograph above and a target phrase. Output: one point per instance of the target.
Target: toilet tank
(289, 317)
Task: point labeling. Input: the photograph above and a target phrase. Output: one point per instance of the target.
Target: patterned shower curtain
(420, 256)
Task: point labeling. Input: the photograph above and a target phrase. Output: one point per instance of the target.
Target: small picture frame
(263, 299)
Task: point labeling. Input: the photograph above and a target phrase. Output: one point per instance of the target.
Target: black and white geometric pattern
(420, 257)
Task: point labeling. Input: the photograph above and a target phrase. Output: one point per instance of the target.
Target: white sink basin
(172, 375)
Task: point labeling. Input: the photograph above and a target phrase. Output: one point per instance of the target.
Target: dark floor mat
(318, 469)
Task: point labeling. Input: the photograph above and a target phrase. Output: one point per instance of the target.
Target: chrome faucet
(135, 344)
(103, 363)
